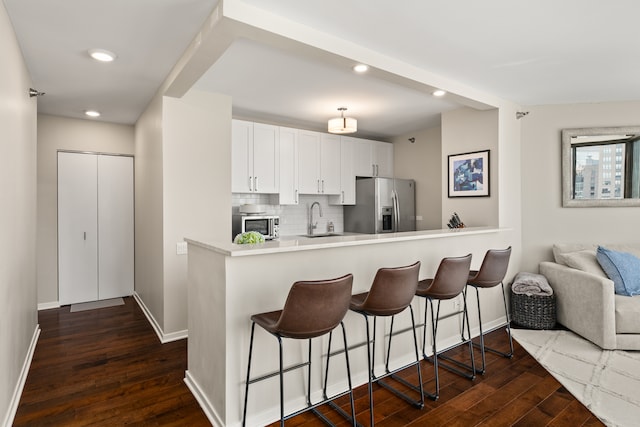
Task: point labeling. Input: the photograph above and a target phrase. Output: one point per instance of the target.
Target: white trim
(204, 403)
(48, 305)
(164, 338)
(17, 393)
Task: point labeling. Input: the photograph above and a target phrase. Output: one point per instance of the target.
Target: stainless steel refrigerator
(383, 205)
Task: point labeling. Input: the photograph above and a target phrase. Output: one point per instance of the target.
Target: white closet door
(77, 228)
(115, 226)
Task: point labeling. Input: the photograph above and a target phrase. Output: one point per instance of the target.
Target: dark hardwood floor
(106, 367)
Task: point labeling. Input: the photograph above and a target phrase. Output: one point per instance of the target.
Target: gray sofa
(586, 302)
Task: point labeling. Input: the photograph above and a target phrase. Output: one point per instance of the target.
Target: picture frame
(469, 174)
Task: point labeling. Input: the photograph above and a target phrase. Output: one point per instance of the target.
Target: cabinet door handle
(250, 186)
(318, 186)
(255, 183)
(323, 186)
(296, 196)
(373, 170)
(342, 196)
(85, 235)
(377, 171)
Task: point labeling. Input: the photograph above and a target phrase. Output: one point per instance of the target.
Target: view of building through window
(606, 169)
(599, 171)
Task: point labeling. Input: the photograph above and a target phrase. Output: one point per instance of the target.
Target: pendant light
(342, 124)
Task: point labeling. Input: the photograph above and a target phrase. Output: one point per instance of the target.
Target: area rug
(96, 304)
(605, 381)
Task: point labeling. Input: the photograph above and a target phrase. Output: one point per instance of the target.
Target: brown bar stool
(491, 273)
(448, 283)
(312, 309)
(391, 293)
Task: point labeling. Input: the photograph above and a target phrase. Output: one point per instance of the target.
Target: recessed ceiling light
(439, 93)
(361, 68)
(102, 55)
(92, 113)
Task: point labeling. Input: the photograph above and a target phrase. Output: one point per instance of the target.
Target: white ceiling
(539, 52)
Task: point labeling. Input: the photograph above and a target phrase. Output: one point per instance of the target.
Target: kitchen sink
(322, 235)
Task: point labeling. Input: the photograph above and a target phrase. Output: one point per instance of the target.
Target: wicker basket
(533, 312)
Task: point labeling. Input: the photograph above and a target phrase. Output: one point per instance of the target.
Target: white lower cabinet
(95, 227)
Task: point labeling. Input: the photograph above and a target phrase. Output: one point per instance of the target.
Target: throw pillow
(621, 267)
(583, 260)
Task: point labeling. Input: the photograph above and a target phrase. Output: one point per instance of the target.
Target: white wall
(422, 161)
(60, 133)
(18, 314)
(196, 146)
(149, 279)
(544, 219)
(466, 130)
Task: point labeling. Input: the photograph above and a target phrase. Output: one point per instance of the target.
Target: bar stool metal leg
(337, 408)
(246, 388)
(417, 403)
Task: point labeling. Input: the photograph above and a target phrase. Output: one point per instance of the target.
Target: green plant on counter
(250, 237)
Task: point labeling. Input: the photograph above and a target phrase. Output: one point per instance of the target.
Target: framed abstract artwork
(469, 174)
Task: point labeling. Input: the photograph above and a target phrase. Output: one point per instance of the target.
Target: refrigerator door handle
(396, 211)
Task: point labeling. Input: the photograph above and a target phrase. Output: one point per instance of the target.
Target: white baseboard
(164, 338)
(48, 305)
(17, 393)
(204, 403)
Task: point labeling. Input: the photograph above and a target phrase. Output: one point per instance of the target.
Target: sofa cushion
(621, 267)
(563, 248)
(582, 260)
(627, 314)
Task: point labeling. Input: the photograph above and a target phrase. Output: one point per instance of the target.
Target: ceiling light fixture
(92, 113)
(439, 93)
(102, 55)
(342, 124)
(361, 68)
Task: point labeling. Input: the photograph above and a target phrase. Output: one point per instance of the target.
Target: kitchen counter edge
(305, 244)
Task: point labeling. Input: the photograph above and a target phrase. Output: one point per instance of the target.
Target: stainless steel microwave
(267, 225)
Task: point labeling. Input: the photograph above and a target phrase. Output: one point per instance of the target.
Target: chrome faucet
(313, 226)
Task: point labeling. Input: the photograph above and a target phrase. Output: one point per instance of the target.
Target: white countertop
(301, 243)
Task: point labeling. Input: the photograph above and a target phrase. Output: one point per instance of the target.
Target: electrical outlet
(181, 248)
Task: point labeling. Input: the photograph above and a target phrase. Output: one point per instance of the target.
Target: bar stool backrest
(493, 268)
(451, 277)
(392, 290)
(314, 308)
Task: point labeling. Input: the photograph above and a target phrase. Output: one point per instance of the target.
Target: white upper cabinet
(330, 163)
(288, 194)
(318, 163)
(254, 158)
(373, 158)
(383, 159)
(347, 194)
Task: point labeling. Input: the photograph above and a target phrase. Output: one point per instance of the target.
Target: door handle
(323, 186)
(342, 196)
(296, 198)
(318, 186)
(250, 185)
(85, 235)
(255, 183)
(397, 211)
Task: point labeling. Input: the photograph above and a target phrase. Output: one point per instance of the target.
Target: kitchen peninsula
(228, 283)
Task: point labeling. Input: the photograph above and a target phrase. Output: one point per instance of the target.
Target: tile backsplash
(294, 218)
